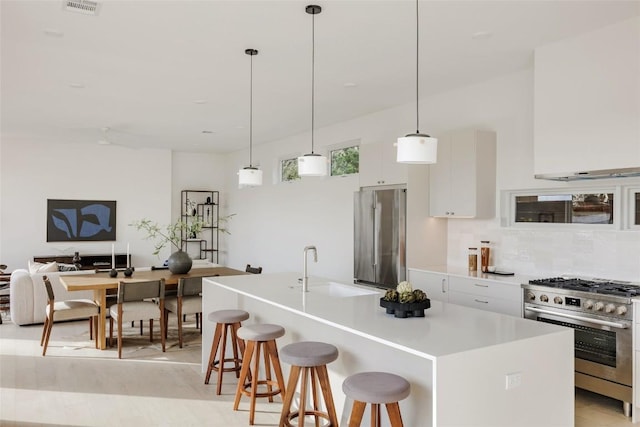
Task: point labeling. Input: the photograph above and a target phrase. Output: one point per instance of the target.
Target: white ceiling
(159, 73)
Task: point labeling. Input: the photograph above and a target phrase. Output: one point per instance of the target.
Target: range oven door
(603, 347)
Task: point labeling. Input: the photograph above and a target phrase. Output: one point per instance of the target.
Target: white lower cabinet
(486, 295)
(434, 284)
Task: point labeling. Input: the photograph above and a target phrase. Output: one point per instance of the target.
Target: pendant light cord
(251, 114)
(417, 70)
(313, 67)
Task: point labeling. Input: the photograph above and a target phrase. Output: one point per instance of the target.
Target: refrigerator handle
(376, 231)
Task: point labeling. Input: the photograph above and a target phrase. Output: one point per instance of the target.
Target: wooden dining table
(101, 283)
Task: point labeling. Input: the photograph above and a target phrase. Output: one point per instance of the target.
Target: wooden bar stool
(225, 320)
(259, 337)
(376, 388)
(310, 359)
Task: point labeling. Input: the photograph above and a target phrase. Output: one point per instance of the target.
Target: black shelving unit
(204, 206)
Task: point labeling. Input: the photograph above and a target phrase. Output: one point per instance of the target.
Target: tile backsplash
(546, 253)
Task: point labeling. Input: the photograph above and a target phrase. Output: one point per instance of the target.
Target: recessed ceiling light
(350, 84)
(53, 33)
(200, 101)
(482, 35)
(76, 85)
(104, 142)
(208, 131)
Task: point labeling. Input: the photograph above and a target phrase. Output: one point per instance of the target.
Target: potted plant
(179, 262)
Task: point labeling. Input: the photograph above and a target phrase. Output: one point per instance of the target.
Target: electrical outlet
(513, 380)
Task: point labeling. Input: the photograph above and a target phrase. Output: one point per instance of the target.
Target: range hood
(595, 174)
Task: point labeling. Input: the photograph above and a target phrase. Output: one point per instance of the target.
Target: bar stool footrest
(316, 414)
(234, 368)
(247, 389)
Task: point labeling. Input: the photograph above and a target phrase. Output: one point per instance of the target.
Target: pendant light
(417, 148)
(312, 164)
(250, 176)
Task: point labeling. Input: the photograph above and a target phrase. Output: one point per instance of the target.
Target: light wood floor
(76, 385)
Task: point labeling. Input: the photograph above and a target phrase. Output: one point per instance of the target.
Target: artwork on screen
(81, 220)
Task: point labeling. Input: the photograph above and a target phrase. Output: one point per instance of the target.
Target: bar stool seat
(376, 388)
(225, 320)
(308, 357)
(259, 337)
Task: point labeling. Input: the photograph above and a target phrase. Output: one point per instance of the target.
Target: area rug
(135, 345)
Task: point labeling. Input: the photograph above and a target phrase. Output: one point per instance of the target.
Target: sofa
(28, 295)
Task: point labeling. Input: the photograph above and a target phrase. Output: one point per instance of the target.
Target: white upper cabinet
(378, 165)
(462, 184)
(587, 101)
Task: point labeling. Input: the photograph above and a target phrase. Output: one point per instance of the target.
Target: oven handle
(584, 319)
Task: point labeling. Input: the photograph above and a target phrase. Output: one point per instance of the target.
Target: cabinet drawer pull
(480, 301)
(443, 283)
(480, 286)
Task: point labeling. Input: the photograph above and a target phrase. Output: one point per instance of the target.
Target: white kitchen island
(466, 366)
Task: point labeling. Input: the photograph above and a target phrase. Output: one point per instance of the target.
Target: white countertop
(516, 279)
(446, 328)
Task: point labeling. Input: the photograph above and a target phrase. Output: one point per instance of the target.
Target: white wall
(32, 172)
(198, 171)
(274, 222)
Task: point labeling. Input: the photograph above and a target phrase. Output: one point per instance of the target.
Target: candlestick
(128, 262)
(113, 256)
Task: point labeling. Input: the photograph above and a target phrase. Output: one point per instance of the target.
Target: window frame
(629, 206)
(508, 207)
(342, 146)
(281, 159)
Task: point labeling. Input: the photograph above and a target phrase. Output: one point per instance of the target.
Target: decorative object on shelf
(113, 272)
(76, 260)
(128, 272)
(417, 148)
(250, 176)
(179, 260)
(404, 301)
(312, 164)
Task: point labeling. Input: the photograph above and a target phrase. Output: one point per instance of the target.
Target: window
(289, 169)
(568, 208)
(345, 160)
(637, 209)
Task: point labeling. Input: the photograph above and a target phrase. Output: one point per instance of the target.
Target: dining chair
(67, 310)
(253, 270)
(187, 301)
(135, 301)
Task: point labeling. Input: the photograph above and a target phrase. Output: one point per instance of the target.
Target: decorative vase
(179, 262)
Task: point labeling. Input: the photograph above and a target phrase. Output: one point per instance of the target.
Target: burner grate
(583, 285)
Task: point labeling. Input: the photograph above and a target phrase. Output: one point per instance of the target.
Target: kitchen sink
(339, 290)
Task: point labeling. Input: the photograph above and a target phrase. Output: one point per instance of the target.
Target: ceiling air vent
(85, 7)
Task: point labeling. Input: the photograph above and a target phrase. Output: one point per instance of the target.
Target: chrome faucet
(305, 277)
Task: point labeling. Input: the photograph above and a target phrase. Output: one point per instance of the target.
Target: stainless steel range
(601, 314)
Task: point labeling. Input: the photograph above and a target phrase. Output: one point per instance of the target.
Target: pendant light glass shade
(250, 176)
(417, 148)
(312, 164)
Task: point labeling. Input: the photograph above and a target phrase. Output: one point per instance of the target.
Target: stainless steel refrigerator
(380, 236)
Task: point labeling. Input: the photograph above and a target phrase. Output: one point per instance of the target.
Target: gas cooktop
(605, 287)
